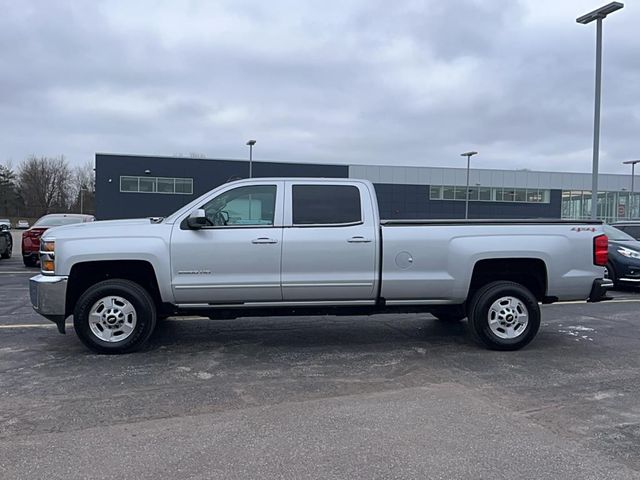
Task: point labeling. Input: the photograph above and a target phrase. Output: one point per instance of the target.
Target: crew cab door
(236, 257)
(329, 249)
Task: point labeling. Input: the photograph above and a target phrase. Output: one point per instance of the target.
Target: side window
(633, 231)
(326, 204)
(251, 205)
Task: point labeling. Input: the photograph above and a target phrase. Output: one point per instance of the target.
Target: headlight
(627, 252)
(47, 256)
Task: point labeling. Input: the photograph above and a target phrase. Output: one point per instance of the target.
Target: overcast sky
(348, 81)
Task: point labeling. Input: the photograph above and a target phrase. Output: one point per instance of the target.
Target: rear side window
(326, 204)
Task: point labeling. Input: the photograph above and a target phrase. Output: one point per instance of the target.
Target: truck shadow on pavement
(421, 331)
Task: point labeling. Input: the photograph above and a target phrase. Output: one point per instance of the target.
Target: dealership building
(129, 186)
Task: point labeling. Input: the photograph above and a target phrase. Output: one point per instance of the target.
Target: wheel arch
(85, 274)
(531, 273)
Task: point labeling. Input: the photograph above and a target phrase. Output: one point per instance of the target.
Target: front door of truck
(236, 257)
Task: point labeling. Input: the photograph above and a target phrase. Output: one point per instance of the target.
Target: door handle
(263, 240)
(359, 239)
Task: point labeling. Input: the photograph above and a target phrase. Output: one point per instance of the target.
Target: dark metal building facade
(118, 197)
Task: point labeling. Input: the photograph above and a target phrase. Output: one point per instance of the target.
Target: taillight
(600, 250)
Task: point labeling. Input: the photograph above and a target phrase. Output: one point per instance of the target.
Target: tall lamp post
(251, 143)
(633, 175)
(82, 190)
(466, 192)
(598, 15)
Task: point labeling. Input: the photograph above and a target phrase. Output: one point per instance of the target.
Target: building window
(489, 194)
(145, 184)
(612, 206)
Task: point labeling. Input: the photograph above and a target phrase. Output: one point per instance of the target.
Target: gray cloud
(402, 83)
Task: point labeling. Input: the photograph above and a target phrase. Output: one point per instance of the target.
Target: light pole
(251, 143)
(633, 175)
(82, 199)
(597, 15)
(466, 193)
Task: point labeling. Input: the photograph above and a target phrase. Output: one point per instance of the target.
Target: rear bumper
(599, 290)
(48, 294)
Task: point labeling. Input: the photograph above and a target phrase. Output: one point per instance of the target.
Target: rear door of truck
(330, 242)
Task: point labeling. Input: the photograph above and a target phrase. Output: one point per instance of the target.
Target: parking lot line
(19, 272)
(31, 325)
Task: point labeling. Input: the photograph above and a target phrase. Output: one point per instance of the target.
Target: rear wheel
(504, 316)
(115, 316)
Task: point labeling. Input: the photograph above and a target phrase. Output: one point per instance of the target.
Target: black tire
(450, 314)
(480, 306)
(8, 251)
(138, 297)
(30, 261)
(611, 274)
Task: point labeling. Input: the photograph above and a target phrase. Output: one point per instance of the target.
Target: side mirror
(197, 219)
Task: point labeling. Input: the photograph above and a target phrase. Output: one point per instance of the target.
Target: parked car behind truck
(31, 237)
(6, 242)
(278, 246)
(623, 267)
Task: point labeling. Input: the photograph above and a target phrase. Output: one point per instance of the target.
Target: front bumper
(48, 296)
(599, 290)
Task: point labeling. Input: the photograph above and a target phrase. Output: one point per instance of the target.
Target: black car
(632, 227)
(624, 257)
(6, 242)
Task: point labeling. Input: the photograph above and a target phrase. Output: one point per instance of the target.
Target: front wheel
(30, 261)
(8, 251)
(114, 316)
(610, 273)
(504, 315)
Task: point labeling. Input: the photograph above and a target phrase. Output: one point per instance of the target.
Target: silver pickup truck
(277, 246)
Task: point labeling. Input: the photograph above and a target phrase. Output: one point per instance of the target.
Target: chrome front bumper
(48, 295)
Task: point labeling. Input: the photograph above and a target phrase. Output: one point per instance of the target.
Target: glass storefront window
(612, 206)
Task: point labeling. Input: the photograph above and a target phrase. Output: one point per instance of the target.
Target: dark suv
(631, 227)
(623, 266)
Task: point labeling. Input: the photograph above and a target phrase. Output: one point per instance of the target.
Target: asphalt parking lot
(382, 397)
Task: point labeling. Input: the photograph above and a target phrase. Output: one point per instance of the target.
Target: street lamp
(633, 175)
(82, 190)
(597, 15)
(466, 195)
(251, 143)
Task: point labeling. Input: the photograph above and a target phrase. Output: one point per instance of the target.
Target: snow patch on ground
(576, 330)
(580, 328)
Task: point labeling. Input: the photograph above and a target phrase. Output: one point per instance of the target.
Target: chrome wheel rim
(508, 317)
(112, 319)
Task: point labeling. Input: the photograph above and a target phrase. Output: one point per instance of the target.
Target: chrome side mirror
(197, 219)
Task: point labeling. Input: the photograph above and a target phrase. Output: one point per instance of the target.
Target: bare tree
(45, 184)
(9, 200)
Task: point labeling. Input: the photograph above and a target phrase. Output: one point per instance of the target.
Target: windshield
(617, 235)
(57, 220)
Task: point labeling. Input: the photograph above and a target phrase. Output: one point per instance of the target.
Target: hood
(105, 228)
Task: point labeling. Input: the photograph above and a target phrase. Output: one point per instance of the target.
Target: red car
(31, 237)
